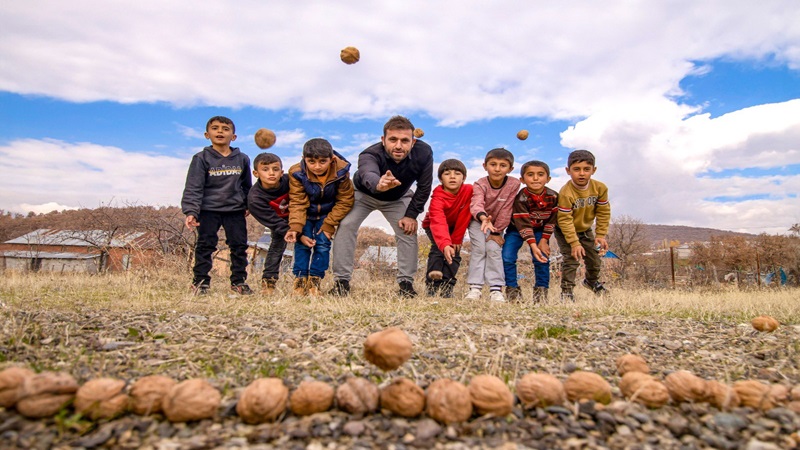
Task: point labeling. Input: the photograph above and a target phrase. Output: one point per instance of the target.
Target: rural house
(83, 251)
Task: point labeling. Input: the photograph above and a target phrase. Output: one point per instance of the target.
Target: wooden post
(758, 269)
(672, 264)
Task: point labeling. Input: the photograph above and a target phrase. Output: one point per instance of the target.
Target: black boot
(432, 287)
(539, 295)
(446, 290)
(341, 288)
(407, 289)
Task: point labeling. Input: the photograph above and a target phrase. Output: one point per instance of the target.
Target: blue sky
(692, 108)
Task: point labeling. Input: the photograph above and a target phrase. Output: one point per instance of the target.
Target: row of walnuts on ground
(445, 400)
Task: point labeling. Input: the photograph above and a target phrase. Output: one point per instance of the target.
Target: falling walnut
(264, 138)
(418, 133)
(522, 135)
(350, 55)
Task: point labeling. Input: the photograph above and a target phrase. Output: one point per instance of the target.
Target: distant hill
(658, 233)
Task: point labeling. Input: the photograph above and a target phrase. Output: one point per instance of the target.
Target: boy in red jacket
(445, 224)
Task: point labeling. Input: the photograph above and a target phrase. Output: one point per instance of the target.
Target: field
(131, 325)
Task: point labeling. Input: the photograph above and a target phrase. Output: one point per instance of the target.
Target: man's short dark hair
(452, 164)
(398, 123)
(266, 158)
(317, 148)
(535, 163)
(221, 119)
(499, 153)
(580, 156)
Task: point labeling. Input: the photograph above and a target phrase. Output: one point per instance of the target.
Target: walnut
(522, 135)
(350, 55)
(645, 389)
(540, 390)
(101, 398)
(490, 396)
(311, 397)
(631, 363)
(685, 386)
(11, 380)
(721, 395)
(756, 394)
(448, 401)
(263, 400)
(387, 349)
(193, 399)
(765, 323)
(794, 394)
(45, 394)
(403, 397)
(418, 133)
(264, 138)
(358, 396)
(147, 394)
(587, 386)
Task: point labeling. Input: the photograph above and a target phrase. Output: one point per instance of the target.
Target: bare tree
(627, 237)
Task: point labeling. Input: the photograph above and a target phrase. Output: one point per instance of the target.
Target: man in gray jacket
(386, 171)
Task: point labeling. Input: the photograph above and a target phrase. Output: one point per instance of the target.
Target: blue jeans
(312, 261)
(513, 242)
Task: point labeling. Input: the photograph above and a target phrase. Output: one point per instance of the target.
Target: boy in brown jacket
(320, 195)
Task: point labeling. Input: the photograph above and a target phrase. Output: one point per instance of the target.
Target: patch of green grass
(555, 332)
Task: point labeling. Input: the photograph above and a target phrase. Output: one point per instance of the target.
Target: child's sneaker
(268, 285)
(539, 294)
(312, 286)
(200, 289)
(596, 287)
(473, 294)
(497, 296)
(299, 286)
(242, 289)
(567, 296)
(514, 294)
(435, 274)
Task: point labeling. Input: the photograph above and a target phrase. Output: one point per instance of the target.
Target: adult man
(386, 171)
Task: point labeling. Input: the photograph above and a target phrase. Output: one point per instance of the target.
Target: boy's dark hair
(398, 123)
(266, 158)
(452, 164)
(580, 156)
(535, 163)
(317, 148)
(499, 153)
(221, 119)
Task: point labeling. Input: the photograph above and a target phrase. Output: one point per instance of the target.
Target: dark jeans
(436, 261)
(315, 260)
(513, 242)
(235, 228)
(569, 268)
(272, 263)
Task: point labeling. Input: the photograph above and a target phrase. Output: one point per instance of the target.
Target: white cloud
(44, 173)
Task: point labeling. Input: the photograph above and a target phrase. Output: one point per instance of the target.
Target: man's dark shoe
(407, 289)
(596, 287)
(341, 288)
(514, 294)
(241, 289)
(201, 289)
(567, 296)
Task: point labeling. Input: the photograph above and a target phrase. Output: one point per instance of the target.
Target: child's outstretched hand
(448, 253)
(191, 222)
(537, 253)
(486, 224)
(307, 241)
(291, 236)
(544, 246)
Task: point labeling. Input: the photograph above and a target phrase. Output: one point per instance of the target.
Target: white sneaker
(473, 294)
(497, 296)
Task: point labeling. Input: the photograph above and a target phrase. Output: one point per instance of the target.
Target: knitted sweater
(535, 212)
(578, 209)
(495, 202)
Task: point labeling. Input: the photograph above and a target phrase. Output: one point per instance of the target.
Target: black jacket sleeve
(192, 198)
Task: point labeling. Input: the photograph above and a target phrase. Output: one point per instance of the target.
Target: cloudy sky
(691, 107)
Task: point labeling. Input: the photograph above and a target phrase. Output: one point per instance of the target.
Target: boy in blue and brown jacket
(268, 202)
(320, 195)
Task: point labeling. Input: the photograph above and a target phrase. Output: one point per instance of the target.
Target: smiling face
(452, 180)
(317, 166)
(220, 134)
(580, 173)
(269, 175)
(497, 169)
(398, 143)
(535, 178)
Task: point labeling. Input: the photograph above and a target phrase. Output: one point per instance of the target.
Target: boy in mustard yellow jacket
(582, 202)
